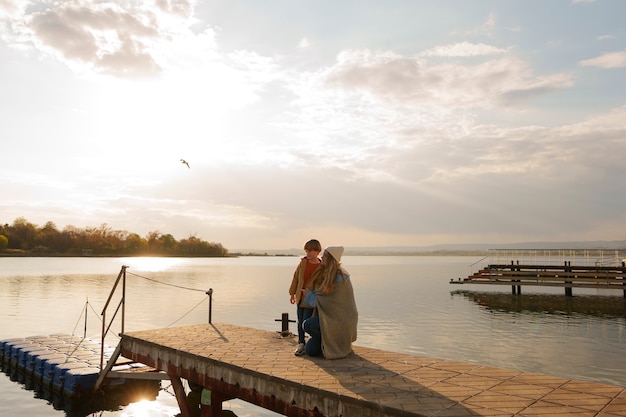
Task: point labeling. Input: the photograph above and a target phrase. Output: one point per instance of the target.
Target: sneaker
(299, 350)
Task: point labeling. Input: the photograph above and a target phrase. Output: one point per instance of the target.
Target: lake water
(406, 304)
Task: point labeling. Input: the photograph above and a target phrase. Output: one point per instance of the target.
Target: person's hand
(292, 299)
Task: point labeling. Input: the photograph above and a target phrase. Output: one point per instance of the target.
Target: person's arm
(293, 288)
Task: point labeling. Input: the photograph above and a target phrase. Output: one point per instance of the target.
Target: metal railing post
(105, 329)
(123, 297)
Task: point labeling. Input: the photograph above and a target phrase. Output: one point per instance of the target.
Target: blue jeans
(314, 346)
(303, 314)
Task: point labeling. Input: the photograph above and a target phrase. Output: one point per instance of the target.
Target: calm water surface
(406, 304)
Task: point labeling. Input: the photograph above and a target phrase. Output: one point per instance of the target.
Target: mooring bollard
(210, 294)
(284, 332)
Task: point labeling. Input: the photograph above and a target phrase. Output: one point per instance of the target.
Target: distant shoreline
(263, 254)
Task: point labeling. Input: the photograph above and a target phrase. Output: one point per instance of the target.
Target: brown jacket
(298, 280)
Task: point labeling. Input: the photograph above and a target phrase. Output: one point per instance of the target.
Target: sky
(359, 123)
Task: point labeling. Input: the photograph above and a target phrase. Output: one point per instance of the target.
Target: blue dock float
(79, 380)
(62, 363)
(41, 361)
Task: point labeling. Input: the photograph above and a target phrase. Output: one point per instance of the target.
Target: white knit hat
(336, 252)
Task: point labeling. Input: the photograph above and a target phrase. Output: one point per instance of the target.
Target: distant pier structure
(567, 268)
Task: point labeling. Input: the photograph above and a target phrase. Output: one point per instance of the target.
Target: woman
(334, 325)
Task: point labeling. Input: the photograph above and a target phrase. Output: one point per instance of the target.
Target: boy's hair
(313, 244)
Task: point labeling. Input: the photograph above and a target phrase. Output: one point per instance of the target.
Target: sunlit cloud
(418, 83)
(463, 49)
(608, 60)
(122, 40)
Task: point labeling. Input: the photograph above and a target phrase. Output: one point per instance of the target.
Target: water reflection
(591, 305)
(152, 264)
(86, 404)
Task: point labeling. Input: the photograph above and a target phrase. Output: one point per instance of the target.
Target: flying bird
(182, 161)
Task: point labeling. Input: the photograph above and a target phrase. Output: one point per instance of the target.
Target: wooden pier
(567, 276)
(259, 367)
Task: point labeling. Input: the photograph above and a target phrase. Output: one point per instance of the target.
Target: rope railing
(166, 283)
(209, 293)
(579, 257)
(121, 306)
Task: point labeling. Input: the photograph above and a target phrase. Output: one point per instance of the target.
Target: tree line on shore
(25, 238)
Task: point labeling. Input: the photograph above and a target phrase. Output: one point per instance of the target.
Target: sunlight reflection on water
(153, 264)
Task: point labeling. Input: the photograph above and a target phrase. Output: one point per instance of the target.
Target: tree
(154, 243)
(22, 234)
(135, 244)
(168, 243)
(48, 236)
(101, 240)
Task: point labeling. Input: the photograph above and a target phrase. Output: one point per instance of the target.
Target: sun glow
(146, 408)
(150, 264)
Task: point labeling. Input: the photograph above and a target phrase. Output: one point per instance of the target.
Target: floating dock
(65, 365)
(259, 367)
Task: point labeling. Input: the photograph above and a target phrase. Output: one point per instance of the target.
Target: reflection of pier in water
(592, 305)
(88, 403)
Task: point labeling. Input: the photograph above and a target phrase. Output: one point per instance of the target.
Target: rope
(83, 312)
(81, 339)
(175, 286)
(165, 283)
(187, 313)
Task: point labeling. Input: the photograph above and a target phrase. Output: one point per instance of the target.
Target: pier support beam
(568, 289)
(181, 397)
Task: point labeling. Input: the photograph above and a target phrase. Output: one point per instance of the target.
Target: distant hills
(450, 248)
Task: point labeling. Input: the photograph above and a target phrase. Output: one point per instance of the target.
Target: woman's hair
(313, 244)
(329, 273)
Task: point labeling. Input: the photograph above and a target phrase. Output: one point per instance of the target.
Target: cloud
(608, 60)
(118, 39)
(463, 49)
(181, 8)
(304, 43)
(483, 181)
(417, 82)
(486, 28)
(8, 7)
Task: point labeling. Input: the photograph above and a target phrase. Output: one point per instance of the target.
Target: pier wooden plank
(259, 367)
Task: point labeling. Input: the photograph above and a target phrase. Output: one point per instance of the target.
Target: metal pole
(102, 339)
(85, 329)
(123, 296)
(210, 294)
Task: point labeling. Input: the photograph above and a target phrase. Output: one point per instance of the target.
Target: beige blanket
(338, 319)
